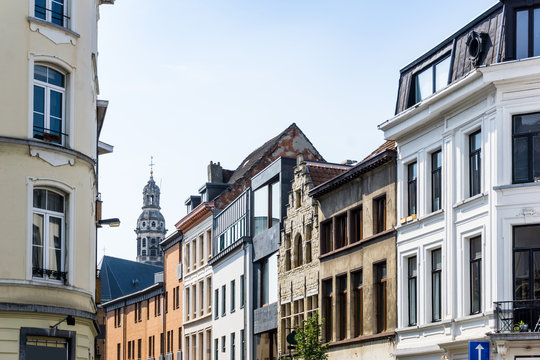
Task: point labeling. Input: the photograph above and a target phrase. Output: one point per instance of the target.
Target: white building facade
(468, 194)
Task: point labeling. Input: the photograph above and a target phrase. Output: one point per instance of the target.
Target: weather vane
(151, 165)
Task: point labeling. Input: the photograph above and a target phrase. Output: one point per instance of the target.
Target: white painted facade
(197, 302)
(232, 267)
(485, 100)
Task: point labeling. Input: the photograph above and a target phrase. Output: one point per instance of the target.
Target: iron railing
(56, 17)
(517, 316)
(51, 274)
(50, 135)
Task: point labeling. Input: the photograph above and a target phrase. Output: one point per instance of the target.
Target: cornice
(195, 217)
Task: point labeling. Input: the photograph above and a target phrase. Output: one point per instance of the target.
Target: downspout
(165, 304)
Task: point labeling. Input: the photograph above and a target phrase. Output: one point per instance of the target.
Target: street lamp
(112, 222)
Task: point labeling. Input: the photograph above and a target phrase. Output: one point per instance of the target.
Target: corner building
(467, 125)
(51, 121)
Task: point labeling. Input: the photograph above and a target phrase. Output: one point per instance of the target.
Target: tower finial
(151, 166)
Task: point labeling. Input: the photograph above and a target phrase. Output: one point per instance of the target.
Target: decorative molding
(53, 158)
(53, 32)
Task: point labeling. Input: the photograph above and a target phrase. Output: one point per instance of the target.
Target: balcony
(517, 316)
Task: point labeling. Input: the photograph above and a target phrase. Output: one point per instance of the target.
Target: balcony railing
(55, 16)
(517, 316)
(51, 274)
(50, 135)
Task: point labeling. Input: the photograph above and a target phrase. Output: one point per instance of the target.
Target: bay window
(48, 239)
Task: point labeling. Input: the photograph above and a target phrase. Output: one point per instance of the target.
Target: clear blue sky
(194, 81)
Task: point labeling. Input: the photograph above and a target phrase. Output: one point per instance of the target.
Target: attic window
(430, 80)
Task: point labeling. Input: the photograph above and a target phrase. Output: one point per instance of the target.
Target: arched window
(298, 250)
(49, 104)
(48, 239)
(153, 224)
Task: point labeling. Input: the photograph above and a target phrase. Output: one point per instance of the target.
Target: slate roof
(321, 172)
(121, 277)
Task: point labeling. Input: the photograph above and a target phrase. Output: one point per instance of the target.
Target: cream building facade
(51, 120)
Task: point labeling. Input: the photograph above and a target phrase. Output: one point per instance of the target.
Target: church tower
(150, 226)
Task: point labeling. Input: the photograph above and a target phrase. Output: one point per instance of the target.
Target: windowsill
(517, 186)
(358, 243)
(39, 21)
(433, 324)
(471, 199)
(421, 219)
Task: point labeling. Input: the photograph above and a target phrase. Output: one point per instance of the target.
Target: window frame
(475, 262)
(413, 95)
(436, 172)
(327, 235)
(379, 225)
(49, 12)
(412, 290)
(326, 304)
(381, 295)
(475, 154)
(530, 150)
(530, 30)
(341, 306)
(436, 272)
(412, 186)
(356, 227)
(357, 302)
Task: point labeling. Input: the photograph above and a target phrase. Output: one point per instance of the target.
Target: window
(412, 273)
(194, 300)
(188, 253)
(267, 207)
(297, 198)
(357, 303)
(431, 80)
(299, 253)
(233, 345)
(341, 309)
(53, 11)
(526, 263)
(137, 313)
(233, 290)
(475, 273)
(139, 348)
(326, 236)
(209, 294)
(327, 308)
(526, 147)
(380, 300)
(49, 104)
(48, 239)
(216, 349)
(267, 281)
(117, 317)
(187, 306)
(223, 344)
(187, 348)
(223, 300)
(356, 224)
(411, 189)
(341, 231)
(379, 212)
(436, 192)
(475, 150)
(209, 244)
(242, 344)
(216, 303)
(118, 352)
(436, 269)
(527, 33)
(242, 291)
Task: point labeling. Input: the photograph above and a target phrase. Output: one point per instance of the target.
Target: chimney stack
(215, 173)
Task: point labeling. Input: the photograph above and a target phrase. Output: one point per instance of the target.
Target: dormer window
(527, 33)
(431, 79)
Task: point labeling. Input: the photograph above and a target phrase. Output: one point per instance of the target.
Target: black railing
(51, 135)
(517, 316)
(56, 17)
(51, 274)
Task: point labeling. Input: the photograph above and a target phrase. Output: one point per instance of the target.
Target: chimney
(215, 173)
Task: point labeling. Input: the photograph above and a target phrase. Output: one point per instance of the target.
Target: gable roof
(120, 277)
(263, 151)
(320, 172)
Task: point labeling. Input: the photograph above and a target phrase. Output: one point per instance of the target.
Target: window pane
(272, 279)
(536, 32)
(55, 77)
(476, 248)
(536, 156)
(424, 84)
(412, 189)
(522, 34)
(40, 73)
(521, 159)
(55, 243)
(37, 241)
(55, 202)
(476, 141)
(526, 124)
(39, 9)
(475, 287)
(521, 275)
(260, 201)
(39, 198)
(276, 203)
(56, 104)
(57, 13)
(39, 99)
(441, 74)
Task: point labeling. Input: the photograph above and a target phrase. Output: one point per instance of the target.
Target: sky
(194, 81)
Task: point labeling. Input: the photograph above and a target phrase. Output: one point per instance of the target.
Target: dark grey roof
(120, 277)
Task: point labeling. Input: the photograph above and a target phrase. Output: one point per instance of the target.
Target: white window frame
(68, 226)
(47, 102)
(48, 12)
(68, 109)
